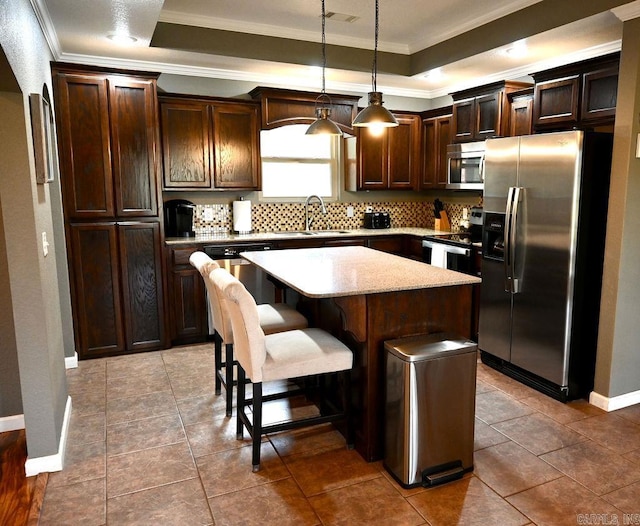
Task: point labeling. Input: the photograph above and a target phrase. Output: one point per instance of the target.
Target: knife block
(443, 222)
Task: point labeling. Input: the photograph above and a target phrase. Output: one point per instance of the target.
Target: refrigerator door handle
(516, 282)
(508, 268)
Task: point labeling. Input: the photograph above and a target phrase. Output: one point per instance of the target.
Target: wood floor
(20, 496)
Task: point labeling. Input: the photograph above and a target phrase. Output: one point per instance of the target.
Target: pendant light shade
(375, 115)
(323, 125)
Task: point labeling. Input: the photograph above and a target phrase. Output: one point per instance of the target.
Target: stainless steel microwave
(465, 166)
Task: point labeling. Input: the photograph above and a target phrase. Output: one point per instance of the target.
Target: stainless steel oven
(445, 252)
(465, 166)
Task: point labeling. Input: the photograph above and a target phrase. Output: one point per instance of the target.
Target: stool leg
(229, 377)
(346, 401)
(217, 346)
(240, 404)
(256, 435)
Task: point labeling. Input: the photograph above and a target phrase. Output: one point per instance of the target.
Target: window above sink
(295, 165)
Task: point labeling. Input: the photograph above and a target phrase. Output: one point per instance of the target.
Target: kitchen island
(365, 297)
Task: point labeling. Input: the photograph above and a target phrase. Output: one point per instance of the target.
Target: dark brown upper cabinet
(281, 107)
(390, 161)
(210, 143)
(483, 112)
(521, 112)
(436, 135)
(107, 133)
(579, 95)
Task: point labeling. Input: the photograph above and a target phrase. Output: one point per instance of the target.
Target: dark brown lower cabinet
(187, 298)
(117, 283)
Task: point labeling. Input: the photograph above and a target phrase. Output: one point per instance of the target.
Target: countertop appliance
(178, 218)
(377, 220)
(545, 209)
(465, 166)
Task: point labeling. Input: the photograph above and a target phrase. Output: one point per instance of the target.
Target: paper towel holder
(241, 216)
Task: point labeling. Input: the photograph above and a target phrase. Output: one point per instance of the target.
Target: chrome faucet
(308, 220)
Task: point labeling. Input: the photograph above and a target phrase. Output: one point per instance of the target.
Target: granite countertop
(281, 235)
(350, 271)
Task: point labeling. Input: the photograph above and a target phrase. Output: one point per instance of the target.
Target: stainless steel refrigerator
(545, 210)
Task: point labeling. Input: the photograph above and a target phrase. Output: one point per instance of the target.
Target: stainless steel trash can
(429, 408)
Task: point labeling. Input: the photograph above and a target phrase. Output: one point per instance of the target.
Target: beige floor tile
(202, 408)
(142, 434)
(81, 462)
(486, 436)
(405, 492)
(78, 384)
(84, 429)
(561, 412)
(279, 503)
(496, 406)
(633, 456)
(353, 505)
(179, 504)
(509, 468)
(626, 499)
(538, 433)
(136, 385)
(215, 435)
(630, 413)
(88, 402)
(135, 365)
(483, 387)
(330, 470)
(594, 466)
(81, 504)
(307, 440)
(564, 502)
(467, 501)
(149, 468)
(149, 405)
(190, 386)
(230, 470)
(616, 433)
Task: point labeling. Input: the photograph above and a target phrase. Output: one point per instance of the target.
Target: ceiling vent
(341, 17)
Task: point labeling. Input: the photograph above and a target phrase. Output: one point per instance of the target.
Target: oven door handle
(458, 251)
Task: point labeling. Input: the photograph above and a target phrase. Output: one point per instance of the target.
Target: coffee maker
(178, 218)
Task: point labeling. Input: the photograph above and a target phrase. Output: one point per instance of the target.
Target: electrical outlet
(349, 211)
(208, 214)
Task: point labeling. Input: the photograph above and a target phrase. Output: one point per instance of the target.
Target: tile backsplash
(268, 217)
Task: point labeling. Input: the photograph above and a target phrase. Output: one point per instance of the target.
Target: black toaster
(377, 220)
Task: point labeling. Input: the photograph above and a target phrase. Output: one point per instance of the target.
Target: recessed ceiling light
(124, 40)
(434, 74)
(516, 50)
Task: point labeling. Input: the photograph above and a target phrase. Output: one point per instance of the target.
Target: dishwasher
(253, 278)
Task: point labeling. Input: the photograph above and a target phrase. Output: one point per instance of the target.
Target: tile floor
(149, 444)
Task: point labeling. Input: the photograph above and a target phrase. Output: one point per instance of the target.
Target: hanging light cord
(324, 51)
(374, 69)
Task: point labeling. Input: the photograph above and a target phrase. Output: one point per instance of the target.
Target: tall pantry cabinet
(108, 141)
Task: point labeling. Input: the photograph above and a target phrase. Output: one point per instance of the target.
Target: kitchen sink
(310, 232)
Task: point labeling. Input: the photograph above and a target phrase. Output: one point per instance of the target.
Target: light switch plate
(349, 211)
(208, 214)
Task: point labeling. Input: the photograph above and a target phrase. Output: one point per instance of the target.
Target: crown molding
(627, 11)
(46, 25)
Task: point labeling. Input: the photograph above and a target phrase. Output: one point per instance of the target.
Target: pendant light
(323, 125)
(375, 115)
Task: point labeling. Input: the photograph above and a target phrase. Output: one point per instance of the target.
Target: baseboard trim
(71, 362)
(11, 423)
(34, 466)
(616, 402)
